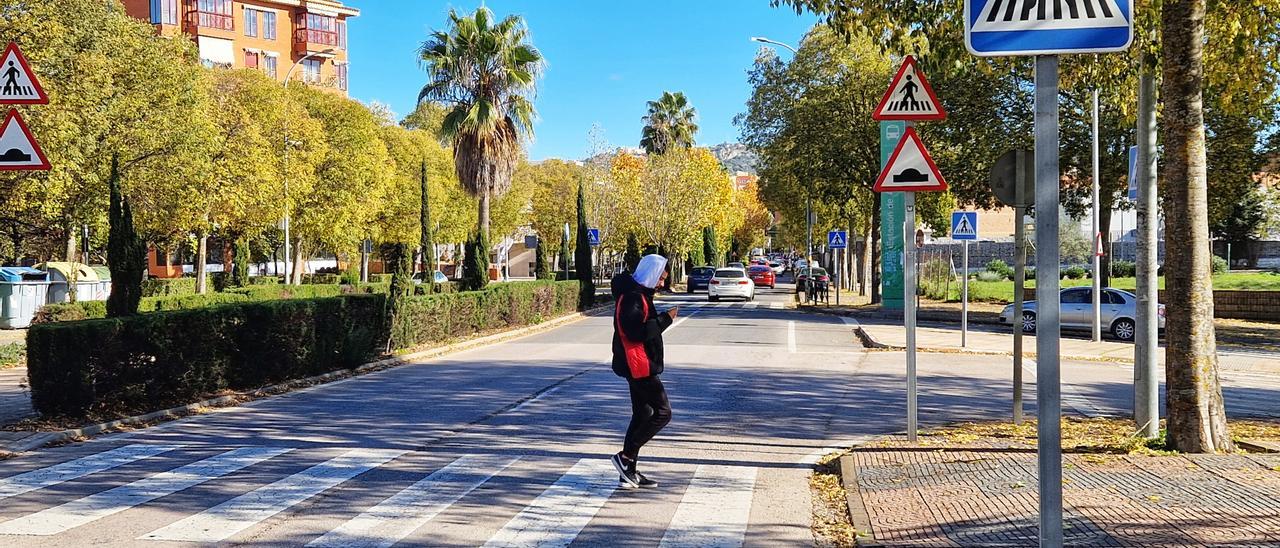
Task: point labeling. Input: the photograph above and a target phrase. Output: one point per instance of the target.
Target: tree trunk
(71, 245)
(1104, 226)
(1196, 418)
(864, 263)
(297, 266)
(874, 251)
(202, 254)
(484, 215)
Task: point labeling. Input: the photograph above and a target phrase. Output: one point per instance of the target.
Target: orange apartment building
(267, 35)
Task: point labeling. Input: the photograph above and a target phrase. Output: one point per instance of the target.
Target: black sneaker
(626, 473)
(646, 482)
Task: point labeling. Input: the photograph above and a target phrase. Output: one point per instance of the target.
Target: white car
(778, 268)
(731, 282)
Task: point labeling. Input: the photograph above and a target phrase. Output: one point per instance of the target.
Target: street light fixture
(287, 144)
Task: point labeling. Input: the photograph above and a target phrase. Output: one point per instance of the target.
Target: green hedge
(163, 287)
(151, 361)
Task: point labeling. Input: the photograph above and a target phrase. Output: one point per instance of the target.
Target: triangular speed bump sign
(910, 168)
(910, 97)
(18, 84)
(18, 149)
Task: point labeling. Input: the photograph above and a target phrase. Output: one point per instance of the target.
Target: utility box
(23, 291)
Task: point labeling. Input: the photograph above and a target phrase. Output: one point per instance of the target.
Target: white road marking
(714, 510)
(39, 479)
(751, 305)
(556, 517)
(776, 306)
(791, 337)
(79, 512)
(224, 520)
(395, 518)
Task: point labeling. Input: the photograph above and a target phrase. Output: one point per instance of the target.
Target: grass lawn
(1002, 291)
(13, 355)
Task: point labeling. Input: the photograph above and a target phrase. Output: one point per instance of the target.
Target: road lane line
(791, 337)
(395, 518)
(751, 305)
(776, 306)
(94, 507)
(44, 477)
(224, 520)
(556, 517)
(714, 510)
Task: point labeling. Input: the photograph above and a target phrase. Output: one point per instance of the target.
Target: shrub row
(150, 361)
(163, 287)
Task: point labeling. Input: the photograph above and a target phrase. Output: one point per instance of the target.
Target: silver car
(1118, 310)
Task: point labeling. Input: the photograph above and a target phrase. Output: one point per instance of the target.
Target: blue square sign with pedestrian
(593, 236)
(1047, 27)
(837, 239)
(964, 225)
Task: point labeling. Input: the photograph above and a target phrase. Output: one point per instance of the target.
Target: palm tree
(482, 71)
(669, 124)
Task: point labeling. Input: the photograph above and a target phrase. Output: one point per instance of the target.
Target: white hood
(649, 271)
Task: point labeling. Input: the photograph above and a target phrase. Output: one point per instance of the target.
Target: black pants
(650, 411)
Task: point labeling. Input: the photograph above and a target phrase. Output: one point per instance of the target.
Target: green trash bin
(22, 292)
(104, 281)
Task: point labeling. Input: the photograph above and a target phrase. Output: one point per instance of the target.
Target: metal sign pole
(1146, 395)
(1097, 260)
(1048, 374)
(839, 280)
(964, 300)
(909, 307)
(1019, 292)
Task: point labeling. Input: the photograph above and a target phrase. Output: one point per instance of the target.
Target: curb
(858, 516)
(41, 439)
(1255, 446)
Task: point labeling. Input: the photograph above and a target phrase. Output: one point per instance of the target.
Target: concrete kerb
(41, 439)
(858, 516)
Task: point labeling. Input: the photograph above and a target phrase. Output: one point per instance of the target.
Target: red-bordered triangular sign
(910, 97)
(910, 168)
(18, 83)
(18, 148)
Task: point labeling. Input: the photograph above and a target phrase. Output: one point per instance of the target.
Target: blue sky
(605, 58)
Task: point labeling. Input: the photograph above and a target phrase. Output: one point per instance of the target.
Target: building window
(342, 35)
(269, 65)
(341, 69)
(269, 25)
(251, 59)
(250, 22)
(311, 71)
(164, 12)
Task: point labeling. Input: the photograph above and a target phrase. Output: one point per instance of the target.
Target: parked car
(731, 282)
(762, 276)
(700, 277)
(819, 274)
(1118, 312)
(438, 277)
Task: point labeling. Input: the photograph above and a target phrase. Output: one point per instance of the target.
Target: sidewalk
(932, 337)
(15, 399)
(921, 496)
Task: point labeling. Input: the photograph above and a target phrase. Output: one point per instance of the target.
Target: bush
(989, 276)
(13, 355)
(265, 280)
(1124, 269)
(1000, 267)
(1029, 273)
(163, 287)
(380, 278)
(1074, 273)
(70, 312)
(187, 302)
(1219, 265)
(323, 278)
(151, 361)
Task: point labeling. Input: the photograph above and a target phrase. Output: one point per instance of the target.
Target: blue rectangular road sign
(1133, 173)
(964, 225)
(837, 239)
(1047, 27)
(593, 236)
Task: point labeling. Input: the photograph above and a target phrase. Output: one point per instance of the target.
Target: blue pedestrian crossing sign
(1047, 27)
(964, 225)
(593, 236)
(838, 239)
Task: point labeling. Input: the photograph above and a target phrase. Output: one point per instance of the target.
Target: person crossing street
(638, 357)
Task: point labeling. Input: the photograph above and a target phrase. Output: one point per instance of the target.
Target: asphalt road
(507, 445)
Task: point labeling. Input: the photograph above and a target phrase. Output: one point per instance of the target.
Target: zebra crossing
(713, 510)
(749, 305)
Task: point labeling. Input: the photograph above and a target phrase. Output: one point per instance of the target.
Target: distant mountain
(736, 157)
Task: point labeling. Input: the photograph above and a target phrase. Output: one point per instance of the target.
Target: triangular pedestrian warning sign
(910, 168)
(910, 97)
(18, 149)
(18, 84)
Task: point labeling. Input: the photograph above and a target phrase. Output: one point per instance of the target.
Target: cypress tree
(475, 272)
(541, 268)
(632, 256)
(428, 245)
(126, 252)
(401, 263)
(709, 251)
(582, 257)
(240, 261)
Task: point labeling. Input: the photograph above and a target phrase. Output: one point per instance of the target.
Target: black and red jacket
(636, 318)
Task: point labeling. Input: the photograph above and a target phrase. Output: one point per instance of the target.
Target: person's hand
(673, 312)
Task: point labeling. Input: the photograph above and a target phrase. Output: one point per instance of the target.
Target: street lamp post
(287, 144)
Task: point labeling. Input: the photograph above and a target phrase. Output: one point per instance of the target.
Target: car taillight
(743, 282)
(715, 282)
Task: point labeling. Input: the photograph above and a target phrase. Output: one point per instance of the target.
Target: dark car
(700, 277)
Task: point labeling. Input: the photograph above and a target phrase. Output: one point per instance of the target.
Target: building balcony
(197, 19)
(306, 41)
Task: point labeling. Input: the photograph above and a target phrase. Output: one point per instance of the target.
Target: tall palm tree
(483, 71)
(669, 124)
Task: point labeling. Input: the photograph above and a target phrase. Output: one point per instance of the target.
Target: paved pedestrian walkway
(996, 340)
(15, 398)
(926, 497)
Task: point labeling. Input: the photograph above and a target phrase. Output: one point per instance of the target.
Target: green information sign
(892, 216)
